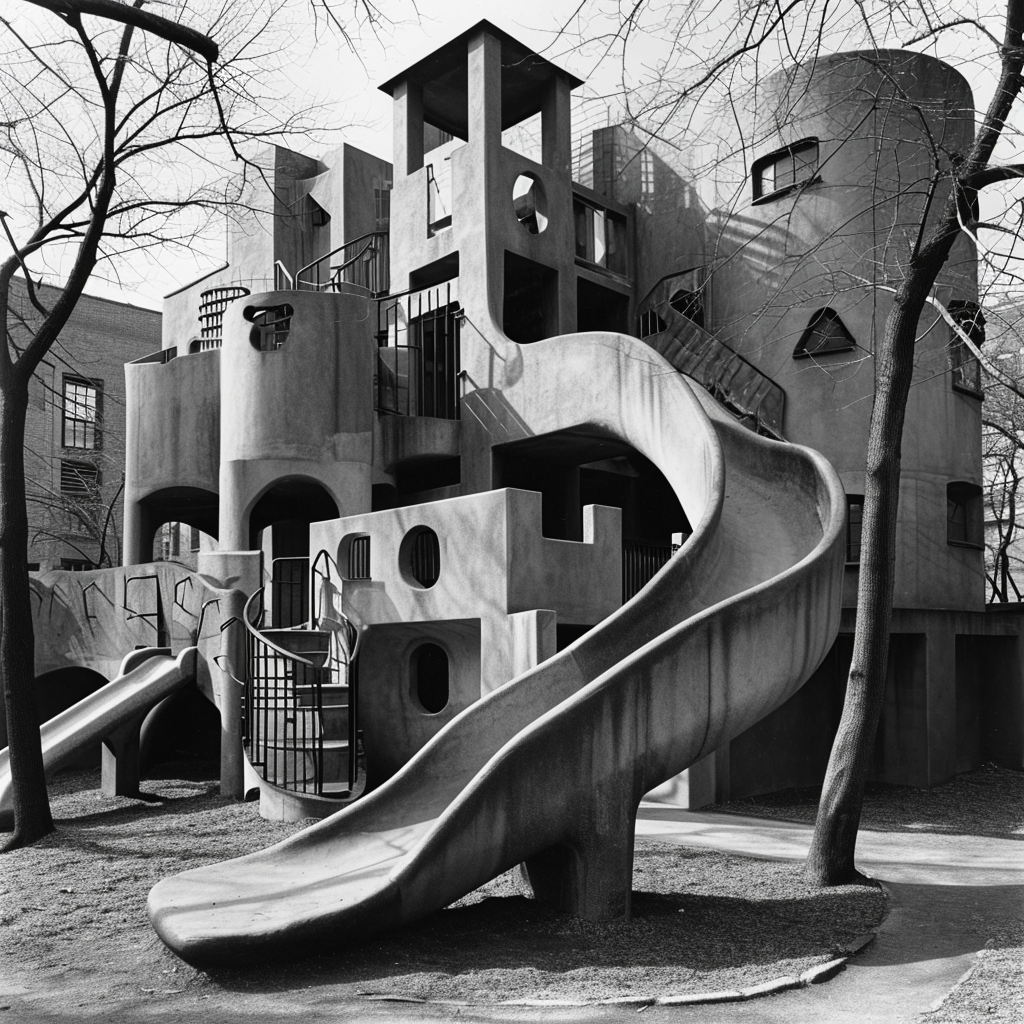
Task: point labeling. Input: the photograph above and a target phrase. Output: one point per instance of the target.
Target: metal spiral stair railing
(289, 671)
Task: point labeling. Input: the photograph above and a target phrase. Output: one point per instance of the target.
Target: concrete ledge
(787, 983)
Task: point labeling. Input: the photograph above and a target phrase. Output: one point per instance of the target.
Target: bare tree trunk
(831, 858)
(32, 818)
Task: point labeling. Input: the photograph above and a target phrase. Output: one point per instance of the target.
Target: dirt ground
(75, 941)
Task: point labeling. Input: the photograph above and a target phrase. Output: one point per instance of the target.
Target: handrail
(327, 256)
(85, 600)
(263, 639)
(202, 614)
(348, 263)
(282, 732)
(132, 614)
(370, 237)
(178, 586)
(281, 274)
(350, 653)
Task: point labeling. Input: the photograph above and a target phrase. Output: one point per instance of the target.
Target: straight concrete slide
(113, 714)
(549, 769)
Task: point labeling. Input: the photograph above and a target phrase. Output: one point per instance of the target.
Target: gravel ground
(73, 922)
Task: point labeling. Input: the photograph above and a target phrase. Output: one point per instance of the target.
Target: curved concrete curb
(812, 976)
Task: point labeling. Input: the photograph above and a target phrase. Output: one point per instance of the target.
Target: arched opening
(530, 203)
(190, 510)
(279, 524)
(270, 325)
(61, 689)
(184, 727)
(430, 676)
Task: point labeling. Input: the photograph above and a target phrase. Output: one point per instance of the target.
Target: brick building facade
(74, 435)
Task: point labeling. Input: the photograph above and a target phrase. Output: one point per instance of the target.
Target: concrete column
(408, 127)
(707, 781)
(556, 127)
(239, 571)
(484, 91)
(233, 516)
(137, 548)
(120, 770)
(940, 691)
(534, 638)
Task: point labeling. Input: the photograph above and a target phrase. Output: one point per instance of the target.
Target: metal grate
(212, 304)
(359, 559)
(426, 558)
(78, 477)
(419, 356)
(640, 563)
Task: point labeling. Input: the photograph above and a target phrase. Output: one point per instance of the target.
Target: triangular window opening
(824, 333)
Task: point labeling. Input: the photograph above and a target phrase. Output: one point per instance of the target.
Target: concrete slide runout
(145, 678)
(549, 769)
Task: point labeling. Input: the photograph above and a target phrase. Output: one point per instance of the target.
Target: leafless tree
(114, 126)
(705, 54)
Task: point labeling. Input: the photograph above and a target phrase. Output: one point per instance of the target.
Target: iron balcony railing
(418, 358)
(363, 262)
(640, 563)
(757, 400)
(212, 304)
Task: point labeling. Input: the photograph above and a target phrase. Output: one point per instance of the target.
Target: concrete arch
(194, 506)
(295, 497)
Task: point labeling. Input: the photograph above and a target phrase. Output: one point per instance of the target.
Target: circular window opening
(530, 203)
(419, 557)
(430, 677)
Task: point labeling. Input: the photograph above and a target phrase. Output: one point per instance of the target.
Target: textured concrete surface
(550, 768)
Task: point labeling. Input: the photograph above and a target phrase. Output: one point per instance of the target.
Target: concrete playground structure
(511, 495)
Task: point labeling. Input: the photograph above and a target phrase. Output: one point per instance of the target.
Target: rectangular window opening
(81, 411)
(854, 523)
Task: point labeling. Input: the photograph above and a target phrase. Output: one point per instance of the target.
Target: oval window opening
(530, 203)
(430, 677)
(270, 325)
(419, 557)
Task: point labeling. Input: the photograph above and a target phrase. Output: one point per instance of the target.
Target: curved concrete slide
(549, 769)
(113, 715)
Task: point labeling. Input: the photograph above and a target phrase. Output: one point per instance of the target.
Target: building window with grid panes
(82, 410)
(785, 169)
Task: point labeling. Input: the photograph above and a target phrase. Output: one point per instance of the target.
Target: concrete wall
(173, 434)
(495, 569)
(838, 242)
(302, 410)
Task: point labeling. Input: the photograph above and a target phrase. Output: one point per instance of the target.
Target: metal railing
(640, 563)
(419, 359)
(756, 399)
(344, 644)
(281, 707)
(363, 262)
(212, 304)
